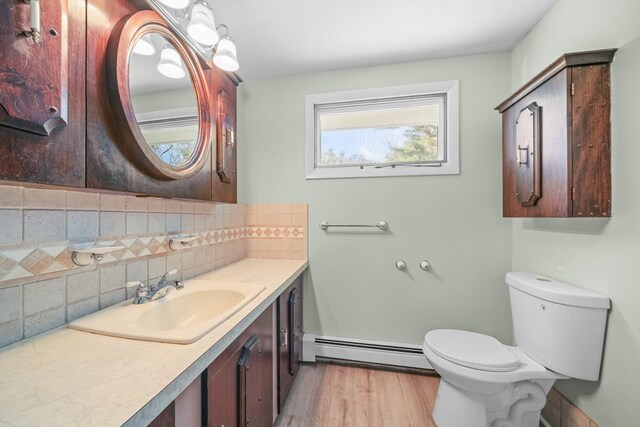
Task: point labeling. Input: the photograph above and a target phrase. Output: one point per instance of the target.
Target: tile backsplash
(41, 288)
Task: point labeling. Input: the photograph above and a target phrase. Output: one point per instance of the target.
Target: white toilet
(559, 333)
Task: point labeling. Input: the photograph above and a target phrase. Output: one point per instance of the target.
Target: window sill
(372, 172)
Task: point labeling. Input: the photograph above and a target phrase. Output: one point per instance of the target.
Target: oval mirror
(159, 87)
(163, 99)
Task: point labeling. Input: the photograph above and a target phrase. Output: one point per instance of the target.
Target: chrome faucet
(146, 293)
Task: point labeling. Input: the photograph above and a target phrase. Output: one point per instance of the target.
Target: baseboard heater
(363, 351)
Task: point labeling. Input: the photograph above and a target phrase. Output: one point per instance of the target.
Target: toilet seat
(472, 350)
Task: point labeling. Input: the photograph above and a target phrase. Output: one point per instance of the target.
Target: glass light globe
(170, 64)
(202, 26)
(226, 57)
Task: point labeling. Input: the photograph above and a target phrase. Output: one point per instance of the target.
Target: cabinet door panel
(240, 380)
(289, 339)
(296, 326)
(111, 156)
(590, 141)
(552, 102)
(253, 379)
(166, 418)
(222, 391)
(42, 93)
(225, 180)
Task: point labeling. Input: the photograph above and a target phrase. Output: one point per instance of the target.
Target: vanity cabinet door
(255, 397)
(240, 380)
(42, 93)
(222, 390)
(166, 418)
(289, 338)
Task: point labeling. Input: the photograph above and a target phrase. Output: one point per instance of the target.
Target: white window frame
(449, 166)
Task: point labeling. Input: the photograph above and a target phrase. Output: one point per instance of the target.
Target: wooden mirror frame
(123, 38)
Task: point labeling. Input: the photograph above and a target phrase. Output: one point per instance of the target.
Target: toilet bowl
(482, 379)
(559, 332)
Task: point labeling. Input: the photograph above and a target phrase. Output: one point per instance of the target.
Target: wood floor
(330, 395)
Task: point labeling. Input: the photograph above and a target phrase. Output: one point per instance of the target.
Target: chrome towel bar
(382, 225)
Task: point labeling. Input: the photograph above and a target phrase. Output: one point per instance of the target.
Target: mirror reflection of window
(163, 99)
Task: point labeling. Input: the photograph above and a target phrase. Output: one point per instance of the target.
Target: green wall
(599, 254)
(455, 222)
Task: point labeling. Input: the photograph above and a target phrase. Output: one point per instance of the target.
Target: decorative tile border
(29, 262)
(275, 232)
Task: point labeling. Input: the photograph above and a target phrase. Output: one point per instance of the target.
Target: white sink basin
(182, 317)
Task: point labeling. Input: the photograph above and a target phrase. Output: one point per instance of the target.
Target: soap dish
(181, 241)
(85, 254)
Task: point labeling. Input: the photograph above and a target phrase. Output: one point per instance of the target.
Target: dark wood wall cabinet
(113, 158)
(42, 98)
(65, 118)
(556, 137)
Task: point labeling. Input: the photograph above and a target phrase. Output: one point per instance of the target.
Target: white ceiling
(285, 37)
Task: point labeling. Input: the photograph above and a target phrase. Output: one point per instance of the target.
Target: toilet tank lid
(556, 291)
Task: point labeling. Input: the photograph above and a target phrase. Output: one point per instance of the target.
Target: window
(393, 131)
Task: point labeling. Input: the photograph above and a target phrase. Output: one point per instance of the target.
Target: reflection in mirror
(163, 99)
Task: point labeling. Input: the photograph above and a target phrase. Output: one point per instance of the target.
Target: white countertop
(69, 377)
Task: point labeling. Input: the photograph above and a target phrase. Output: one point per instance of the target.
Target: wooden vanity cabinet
(239, 384)
(556, 137)
(42, 93)
(236, 390)
(289, 344)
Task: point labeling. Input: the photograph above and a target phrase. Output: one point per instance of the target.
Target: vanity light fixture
(144, 46)
(193, 21)
(202, 26)
(225, 56)
(170, 64)
(176, 4)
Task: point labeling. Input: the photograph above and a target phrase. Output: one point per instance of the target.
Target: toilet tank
(559, 325)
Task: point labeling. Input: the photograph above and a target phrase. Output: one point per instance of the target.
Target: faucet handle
(141, 289)
(163, 279)
(133, 283)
